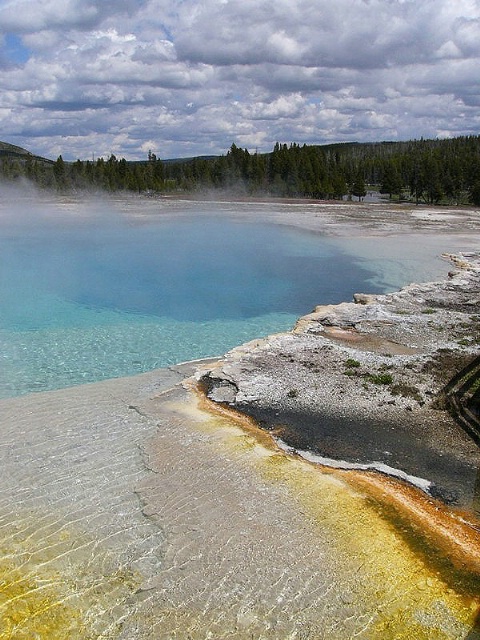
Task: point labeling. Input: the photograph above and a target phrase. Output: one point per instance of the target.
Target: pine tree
(358, 188)
(391, 180)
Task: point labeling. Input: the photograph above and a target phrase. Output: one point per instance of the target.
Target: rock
(223, 393)
(364, 298)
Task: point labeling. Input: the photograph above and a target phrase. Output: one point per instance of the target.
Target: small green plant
(475, 386)
(350, 363)
(380, 378)
(292, 393)
(429, 310)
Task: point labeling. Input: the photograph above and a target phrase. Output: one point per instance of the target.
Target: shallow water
(225, 537)
(94, 290)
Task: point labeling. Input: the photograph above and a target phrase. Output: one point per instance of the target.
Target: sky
(91, 78)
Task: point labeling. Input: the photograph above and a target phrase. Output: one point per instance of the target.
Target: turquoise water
(90, 297)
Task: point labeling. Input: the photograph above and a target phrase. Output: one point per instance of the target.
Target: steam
(24, 206)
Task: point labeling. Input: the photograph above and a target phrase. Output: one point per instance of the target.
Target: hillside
(11, 150)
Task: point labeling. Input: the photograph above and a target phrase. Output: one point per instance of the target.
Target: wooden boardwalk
(462, 396)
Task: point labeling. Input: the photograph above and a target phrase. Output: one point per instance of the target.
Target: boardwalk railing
(462, 398)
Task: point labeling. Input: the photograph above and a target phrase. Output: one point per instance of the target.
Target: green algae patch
(56, 584)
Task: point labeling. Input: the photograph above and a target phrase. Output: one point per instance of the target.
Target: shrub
(350, 363)
(380, 378)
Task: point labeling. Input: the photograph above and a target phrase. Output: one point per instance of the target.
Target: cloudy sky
(189, 77)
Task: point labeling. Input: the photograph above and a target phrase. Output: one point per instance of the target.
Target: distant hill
(189, 159)
(12, 150)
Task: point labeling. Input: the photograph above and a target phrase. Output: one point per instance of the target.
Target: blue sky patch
(15, 49)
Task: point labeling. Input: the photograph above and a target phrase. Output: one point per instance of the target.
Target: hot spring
(96, 290)
(126, 509)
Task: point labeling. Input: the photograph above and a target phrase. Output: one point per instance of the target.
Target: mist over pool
(97, 290)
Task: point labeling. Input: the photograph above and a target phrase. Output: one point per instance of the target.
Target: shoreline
(456, 534)
(375, 365)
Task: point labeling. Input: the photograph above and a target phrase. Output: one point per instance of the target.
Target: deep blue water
(88, 298)
(188, 271)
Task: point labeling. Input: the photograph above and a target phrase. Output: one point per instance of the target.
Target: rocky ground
(362, 382)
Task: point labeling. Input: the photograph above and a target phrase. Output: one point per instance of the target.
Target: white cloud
(285, 106)
(39, 15)
(194, 77)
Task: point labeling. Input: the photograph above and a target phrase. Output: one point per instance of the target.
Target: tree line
(429, 171)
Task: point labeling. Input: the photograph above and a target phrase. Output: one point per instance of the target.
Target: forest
(443, 171)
